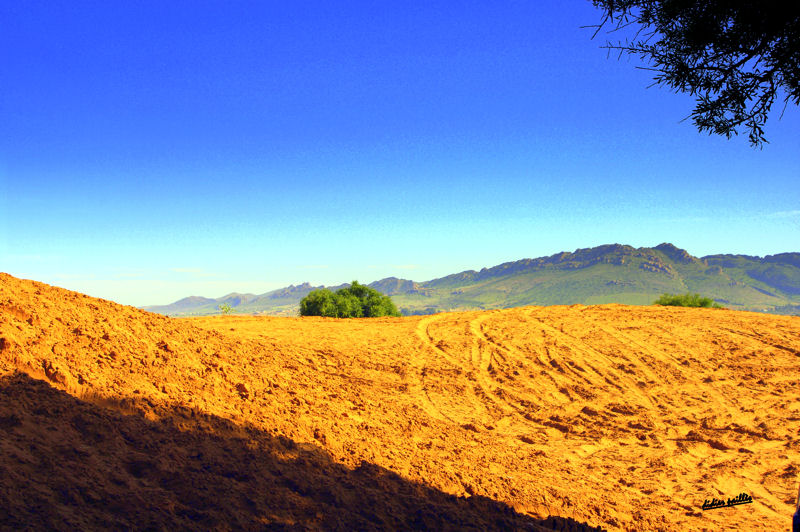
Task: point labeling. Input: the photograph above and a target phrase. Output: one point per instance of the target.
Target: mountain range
(611, 273)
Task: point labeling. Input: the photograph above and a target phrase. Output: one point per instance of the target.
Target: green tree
(319, 303)
(354, 301)
(734, 56)
(373, 303)
(225, 308)
(348, 305)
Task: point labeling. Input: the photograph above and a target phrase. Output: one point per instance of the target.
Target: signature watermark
(714, 503)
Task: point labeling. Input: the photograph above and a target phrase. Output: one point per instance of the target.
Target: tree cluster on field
(354, 301)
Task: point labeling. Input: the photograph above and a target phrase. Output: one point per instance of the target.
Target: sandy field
(575, 417)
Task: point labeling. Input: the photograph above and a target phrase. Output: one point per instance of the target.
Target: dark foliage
(319, 303)
(354, 301)
(734, 56)
(686, 300)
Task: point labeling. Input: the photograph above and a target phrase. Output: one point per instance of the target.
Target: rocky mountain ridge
(612, 273)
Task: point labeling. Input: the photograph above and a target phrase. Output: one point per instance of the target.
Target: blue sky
(154, 150)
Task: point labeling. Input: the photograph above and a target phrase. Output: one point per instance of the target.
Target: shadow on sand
(68, 464)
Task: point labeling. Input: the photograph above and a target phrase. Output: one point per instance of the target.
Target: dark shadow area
(67, 464)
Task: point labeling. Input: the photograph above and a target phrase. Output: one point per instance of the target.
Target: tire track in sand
(455, 410)
(482, 363)
(626, 385)
(547, 392)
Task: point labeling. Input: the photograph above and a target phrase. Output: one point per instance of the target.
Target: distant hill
(611, 273)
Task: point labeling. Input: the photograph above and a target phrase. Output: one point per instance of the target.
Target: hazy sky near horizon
(155, 150)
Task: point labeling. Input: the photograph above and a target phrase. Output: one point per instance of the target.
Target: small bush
(686, 300)
(355, 301)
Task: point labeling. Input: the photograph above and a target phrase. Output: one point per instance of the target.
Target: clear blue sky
(155, 150)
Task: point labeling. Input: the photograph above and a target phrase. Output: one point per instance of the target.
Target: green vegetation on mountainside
(605, 274)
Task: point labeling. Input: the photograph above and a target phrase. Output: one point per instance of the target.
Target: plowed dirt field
(537, 418)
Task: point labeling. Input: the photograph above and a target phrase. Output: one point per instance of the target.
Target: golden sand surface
(537, 418)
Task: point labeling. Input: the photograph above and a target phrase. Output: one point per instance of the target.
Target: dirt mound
(623, 417)
(72, 465)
